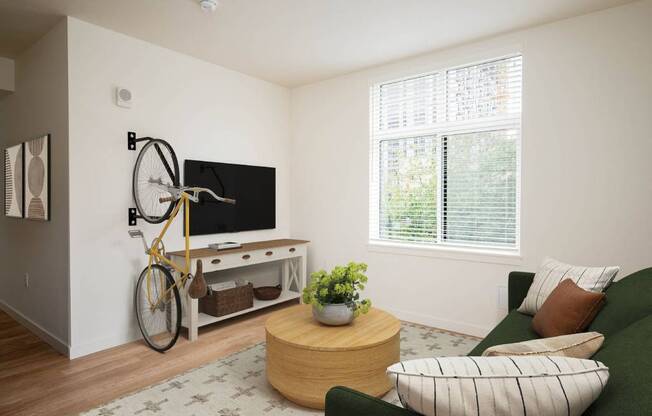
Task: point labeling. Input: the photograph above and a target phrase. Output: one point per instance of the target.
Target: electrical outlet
(27, 280)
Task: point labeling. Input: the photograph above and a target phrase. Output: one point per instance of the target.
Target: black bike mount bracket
(133, 217)
(132, 140)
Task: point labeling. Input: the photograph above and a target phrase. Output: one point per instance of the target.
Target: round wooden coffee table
(305, 358)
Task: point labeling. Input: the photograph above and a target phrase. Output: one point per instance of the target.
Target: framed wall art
(37, 178)
(14, 173)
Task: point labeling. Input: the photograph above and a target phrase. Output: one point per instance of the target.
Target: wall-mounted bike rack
(171, 169)
(132, 140)
(133, 215)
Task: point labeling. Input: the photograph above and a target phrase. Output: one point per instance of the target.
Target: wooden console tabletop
(256, 245)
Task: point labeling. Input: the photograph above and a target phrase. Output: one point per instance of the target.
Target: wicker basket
(267, 292)
(227, 301)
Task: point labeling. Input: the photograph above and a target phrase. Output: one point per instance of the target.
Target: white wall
(586, 184)
(205, 111)
(39, 105)
(7, 76)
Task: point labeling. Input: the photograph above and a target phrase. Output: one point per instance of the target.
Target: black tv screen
(253, 188)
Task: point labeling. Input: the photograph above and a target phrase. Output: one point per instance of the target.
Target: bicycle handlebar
(176, 194)
(197, 191)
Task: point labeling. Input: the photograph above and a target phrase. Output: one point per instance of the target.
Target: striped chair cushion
(552, 272)
(582, 345)
(499, 386)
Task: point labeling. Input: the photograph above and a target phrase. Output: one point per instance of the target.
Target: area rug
(237, 386)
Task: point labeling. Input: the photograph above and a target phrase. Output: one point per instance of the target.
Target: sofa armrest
(342, 401)
(518, 285)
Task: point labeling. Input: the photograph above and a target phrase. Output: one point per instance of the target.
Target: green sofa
(625, 321)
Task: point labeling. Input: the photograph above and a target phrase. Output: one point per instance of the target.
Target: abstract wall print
(14, 162)
(37, 178)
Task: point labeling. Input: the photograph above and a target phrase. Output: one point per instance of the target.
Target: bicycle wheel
(158, 309)
(155, 169)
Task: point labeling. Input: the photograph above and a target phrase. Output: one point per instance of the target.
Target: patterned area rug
(236, 385)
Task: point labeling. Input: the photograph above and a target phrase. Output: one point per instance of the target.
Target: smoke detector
(208, 5)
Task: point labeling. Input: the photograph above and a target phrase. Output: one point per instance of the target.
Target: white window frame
(458, 251)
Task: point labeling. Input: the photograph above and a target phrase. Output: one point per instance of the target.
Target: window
(445, 157)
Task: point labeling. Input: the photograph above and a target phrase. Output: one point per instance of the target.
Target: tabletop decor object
(335, 296)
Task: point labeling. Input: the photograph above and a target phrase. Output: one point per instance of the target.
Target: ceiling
(292, 42)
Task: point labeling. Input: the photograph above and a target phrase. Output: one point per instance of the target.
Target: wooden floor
(36, 380)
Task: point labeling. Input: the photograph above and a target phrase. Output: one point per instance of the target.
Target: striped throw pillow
(552, 272)
(582, 345)
(499, 386)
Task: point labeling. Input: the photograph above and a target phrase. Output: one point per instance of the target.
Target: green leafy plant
(341, 285)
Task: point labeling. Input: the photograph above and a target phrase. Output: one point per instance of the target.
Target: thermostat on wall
(123, 97)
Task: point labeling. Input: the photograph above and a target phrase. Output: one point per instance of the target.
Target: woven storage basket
(228, 301)
(267, 292)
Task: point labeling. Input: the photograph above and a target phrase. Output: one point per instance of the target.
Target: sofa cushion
(628, 356)
(568, 310)
(516, 327)
(628, 300)
(582, 345)
(498, 386)
(552, 272)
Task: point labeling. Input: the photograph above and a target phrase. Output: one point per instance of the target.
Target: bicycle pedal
(135, 233)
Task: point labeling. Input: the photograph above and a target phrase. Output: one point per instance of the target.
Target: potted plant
(335, 296)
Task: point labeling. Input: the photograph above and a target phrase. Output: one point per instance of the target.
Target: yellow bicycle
(158, 198)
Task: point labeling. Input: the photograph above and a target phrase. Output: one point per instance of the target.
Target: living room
(452, 180)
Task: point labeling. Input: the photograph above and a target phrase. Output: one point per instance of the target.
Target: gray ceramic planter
(334, 314)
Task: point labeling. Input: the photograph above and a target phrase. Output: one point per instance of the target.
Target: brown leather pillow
(569, 309)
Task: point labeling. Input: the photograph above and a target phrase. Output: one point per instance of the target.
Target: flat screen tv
(253, 188)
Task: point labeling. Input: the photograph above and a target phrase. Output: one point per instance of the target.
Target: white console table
(293, 277)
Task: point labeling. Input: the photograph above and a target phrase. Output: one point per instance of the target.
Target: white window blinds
(408, 202)
(445, 156)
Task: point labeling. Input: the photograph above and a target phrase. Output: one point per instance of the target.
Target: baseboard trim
(54, 341)
(77, 351)
(440, 323)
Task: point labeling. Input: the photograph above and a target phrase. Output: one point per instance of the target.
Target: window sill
(447, 252)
